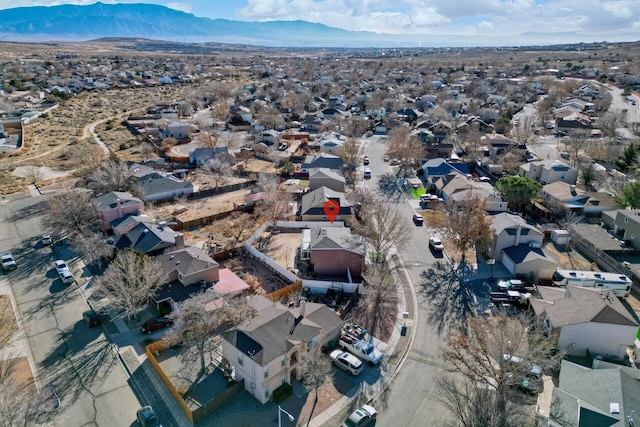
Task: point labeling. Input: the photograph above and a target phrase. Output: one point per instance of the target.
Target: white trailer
(619, 284)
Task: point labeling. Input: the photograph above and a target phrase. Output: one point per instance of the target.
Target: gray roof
(276, 330)
(336, 238)
(147, 238)
(155, 183)
(523, 253)
(316, 173)
(322, 160)
(129, 221)
(187, 261)
(581, 305)
(504, 221)
(109, 201)
(313, 202)
(584, 395)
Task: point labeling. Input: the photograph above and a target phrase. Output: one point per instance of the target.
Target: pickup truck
(360, 348)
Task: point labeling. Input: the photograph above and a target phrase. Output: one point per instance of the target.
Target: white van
(367, 173)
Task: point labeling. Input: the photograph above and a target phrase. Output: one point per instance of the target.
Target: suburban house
(625, 224)
(159, 187)
(594, 397)
(114, 205)
(517, 244)
(322, 160)
(576, 200)
(270, 136)
(188, 266)
(336, 252)
(323, 177)
(459, 188)
(331, 144)
(140, 233)
(202, 155)
(586, 320)
(269, 351)
(434, 169)
(177, 130)
(548, 171)
(313, 203)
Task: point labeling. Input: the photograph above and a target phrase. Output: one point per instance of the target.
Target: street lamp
(280, 411)
(491, 261)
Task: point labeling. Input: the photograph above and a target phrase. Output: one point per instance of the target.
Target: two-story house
(459, 188)
(336, 252)
(574, 199)
(516, 244)
(269, 351)
(548, 171)
(313, 204)
(625, 224)
(114, 205)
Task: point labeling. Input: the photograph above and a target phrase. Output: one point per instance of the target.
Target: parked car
(363, 416)
(418, 219)
(155, 324)
(366, 160)
(394, 162)
(46, 239)
(435, 244)
(367, 173)
(533, 369)
(8, 261)
(347, 362)
(147, 417)
(60, 266)
(66, 276)
(386, 158)
(91, 318)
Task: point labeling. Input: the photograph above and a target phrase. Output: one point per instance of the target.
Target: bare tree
(523, 133)
(112, 176)
(33, 173)
(204, 316)
(71, 212)
(93, 247)
(576, 143)
(406, 148)
(350, 159)
(219, 169)
(208, 139)
(467, 227)
(316, 371)
(129, 281)
(276, 204)
(92, 156)
(481, 351)
(383, 228)
(610, 121)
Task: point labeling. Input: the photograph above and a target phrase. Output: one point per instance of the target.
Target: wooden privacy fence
(278, 294)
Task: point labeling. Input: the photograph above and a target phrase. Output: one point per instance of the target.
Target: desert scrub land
(58, 138)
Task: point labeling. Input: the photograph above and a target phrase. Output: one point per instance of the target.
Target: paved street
(79, 361)
(410, 400)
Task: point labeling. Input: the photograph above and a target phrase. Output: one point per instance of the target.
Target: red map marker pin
(331, 210)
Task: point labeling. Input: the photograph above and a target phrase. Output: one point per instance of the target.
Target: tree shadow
(446, 287)
(388, 186)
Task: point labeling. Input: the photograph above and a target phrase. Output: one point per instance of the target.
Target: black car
(147, 417)
(91, 318)
(155, 324)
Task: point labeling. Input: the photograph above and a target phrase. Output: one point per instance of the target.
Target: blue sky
(455, 17)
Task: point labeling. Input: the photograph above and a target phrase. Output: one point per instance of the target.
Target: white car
(347, 362)
(46, 239)
(8, 261)
(418, 219)
(363, 416)
(436, 244)
(60, 266)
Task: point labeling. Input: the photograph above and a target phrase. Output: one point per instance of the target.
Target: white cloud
(181, 6)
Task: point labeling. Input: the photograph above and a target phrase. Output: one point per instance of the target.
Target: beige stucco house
(269, 351)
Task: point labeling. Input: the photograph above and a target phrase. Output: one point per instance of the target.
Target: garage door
(510, 265)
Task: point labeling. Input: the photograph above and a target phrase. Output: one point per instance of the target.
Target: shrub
(282, 392)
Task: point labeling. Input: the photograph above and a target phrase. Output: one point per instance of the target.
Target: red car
(155, 324)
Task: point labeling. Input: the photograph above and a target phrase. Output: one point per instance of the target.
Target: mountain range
(81, 23)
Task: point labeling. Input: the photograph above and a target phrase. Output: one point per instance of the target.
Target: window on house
(266, 391)
(266, 372)
(180, 276)
(312, 343)
(283, 361)
(626, 220)
(240, 358)
(284, 379)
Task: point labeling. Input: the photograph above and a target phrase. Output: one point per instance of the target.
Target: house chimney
(518, 234)
(179, 240)
(302, 304)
